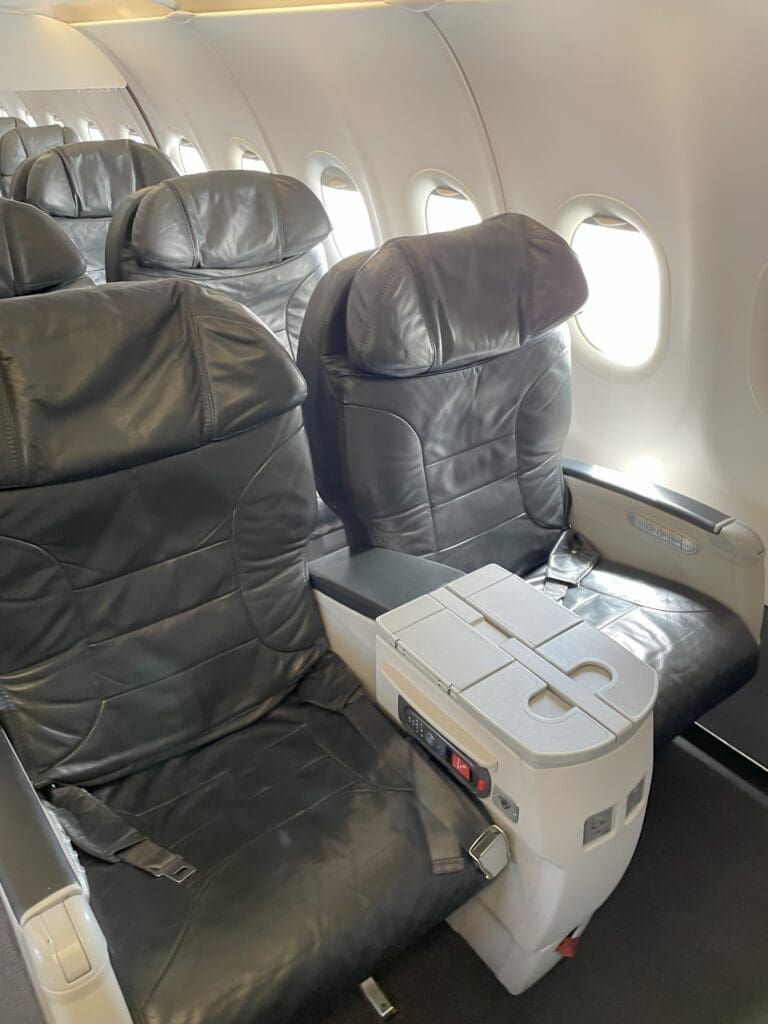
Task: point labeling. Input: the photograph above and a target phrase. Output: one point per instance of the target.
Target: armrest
(33, 864)
(663, 533)
(671, 502)
(376, 581)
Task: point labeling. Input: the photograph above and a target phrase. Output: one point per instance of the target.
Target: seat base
(702, 651)
(311, 866)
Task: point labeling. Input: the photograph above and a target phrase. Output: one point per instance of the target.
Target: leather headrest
(35, 254)
(87, 179)
(7, 124)
(445, 300)
(226, 219)
(22, 142)
(109, 378)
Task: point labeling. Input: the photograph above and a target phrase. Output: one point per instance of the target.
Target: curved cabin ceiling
(103, 10)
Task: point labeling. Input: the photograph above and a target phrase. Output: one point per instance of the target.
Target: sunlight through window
(346, 209)
(448, 209)
(250, 161)
(621, 317)
(192, 161)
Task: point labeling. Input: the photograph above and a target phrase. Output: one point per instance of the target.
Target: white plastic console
(546, 720)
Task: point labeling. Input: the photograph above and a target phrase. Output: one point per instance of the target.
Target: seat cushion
(311, 865)
(702, 651)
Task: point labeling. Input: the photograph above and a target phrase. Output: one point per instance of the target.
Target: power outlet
(598, 825)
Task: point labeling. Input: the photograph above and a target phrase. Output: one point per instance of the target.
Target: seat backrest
(22, 142)
(255, 237)
(35, 254)
(439, 384)
(81, 184)
(156, 495)
(7, 124)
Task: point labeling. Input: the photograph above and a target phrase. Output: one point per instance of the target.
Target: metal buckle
(490, 852)
(149, 857)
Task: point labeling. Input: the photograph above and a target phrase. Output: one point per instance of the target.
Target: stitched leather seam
(144, 568)
(472, 490)
(164, 618)
(423, 305)
(472, 448)
(482, 533)
(186, 222)
(386, 412)
(208, 406)
(11, 426)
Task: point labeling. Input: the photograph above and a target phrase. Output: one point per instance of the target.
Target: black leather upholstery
(23, 142)
(255, 237)
(439, 402)
(35, 254)
(460, 464)
(81, 184)
(7, 124)
(160, 644)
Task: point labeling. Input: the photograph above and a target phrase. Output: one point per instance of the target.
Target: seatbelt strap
(452, 821)
(571, 559)
(96, 829)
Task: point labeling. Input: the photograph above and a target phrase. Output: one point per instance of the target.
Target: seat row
(438, 373)
(166, 680)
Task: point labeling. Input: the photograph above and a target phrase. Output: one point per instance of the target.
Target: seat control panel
(459, 764)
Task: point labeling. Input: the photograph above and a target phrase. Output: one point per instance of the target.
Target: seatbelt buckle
(490, 852)
(149, 857)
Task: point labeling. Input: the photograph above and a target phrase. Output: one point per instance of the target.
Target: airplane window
(134, 136)
(447, 209)
(250, 161)
(622, 316)
(346, 209)
(26, 116)
(191, 158)
(95, 134)
(55, 119)
(4, 112)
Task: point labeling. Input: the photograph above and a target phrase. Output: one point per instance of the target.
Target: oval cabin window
(95, 134)
(134, 136)
(27, 117)
(448, 209)
(347, 212)
(622, 316)
(191, 158)
(55, 119)
(250, 161)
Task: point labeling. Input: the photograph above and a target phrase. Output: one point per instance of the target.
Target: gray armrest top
(675, 504)
(376, 581)
(33, 864)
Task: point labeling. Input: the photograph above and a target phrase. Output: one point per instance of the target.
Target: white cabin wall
(659, 105)
(375, 87)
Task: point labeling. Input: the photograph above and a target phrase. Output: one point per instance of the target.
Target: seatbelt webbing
(570, 561)
(451, 820)
(101, 832)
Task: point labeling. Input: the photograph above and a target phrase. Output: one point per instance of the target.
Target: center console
(545, 720)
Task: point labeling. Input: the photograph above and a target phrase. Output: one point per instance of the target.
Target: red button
(481, 785)
(460, 765)
(569, 946)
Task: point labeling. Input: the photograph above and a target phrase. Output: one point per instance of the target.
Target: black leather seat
(81, 184)
(35, 254)
(440, 399)
(160, 645)
(254, 237)
(7, 124)
(21, 142)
